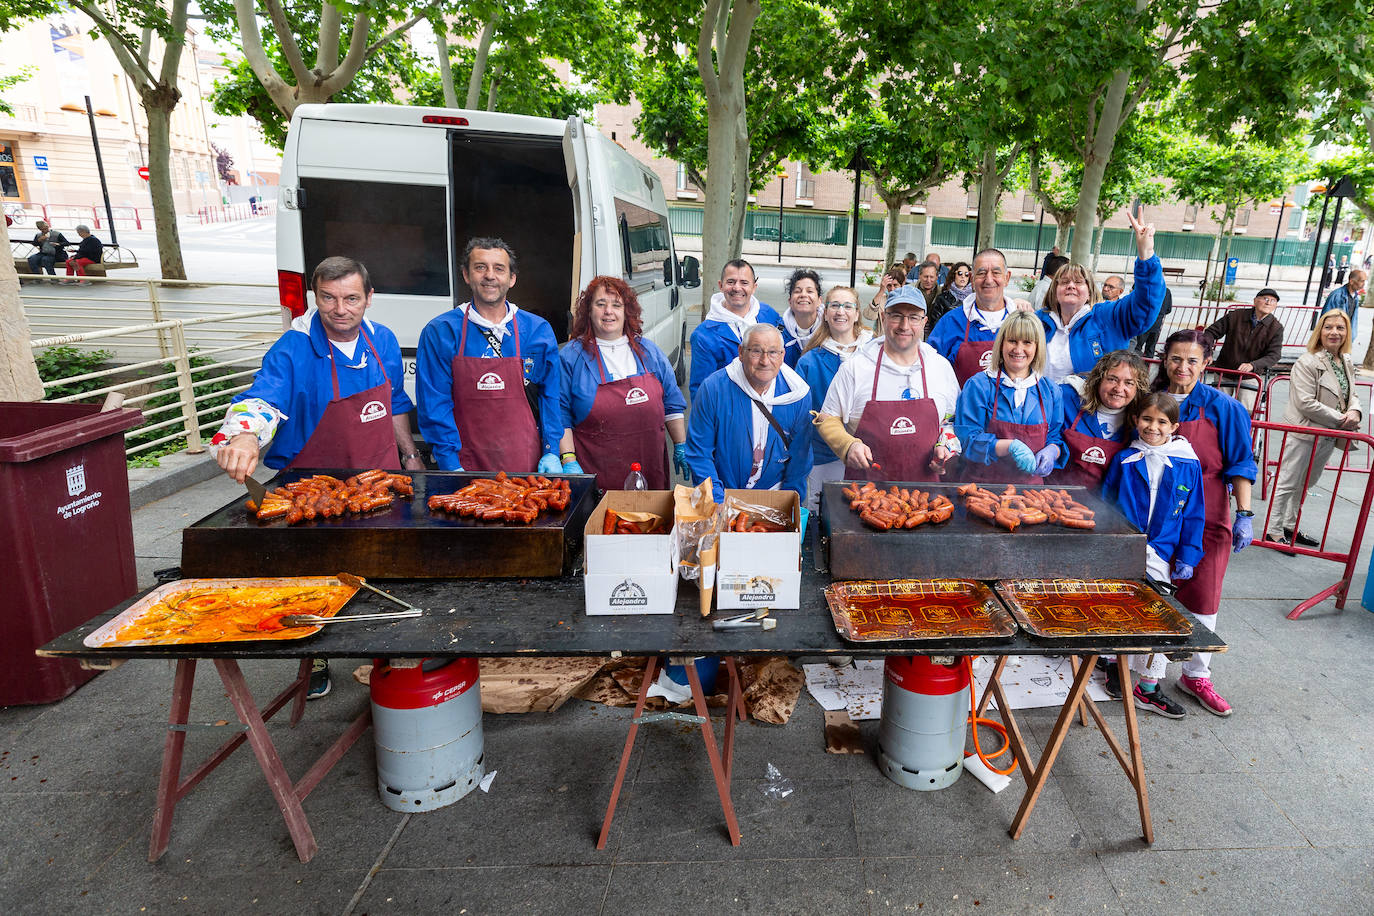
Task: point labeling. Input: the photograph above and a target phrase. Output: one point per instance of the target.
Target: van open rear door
(577, 157)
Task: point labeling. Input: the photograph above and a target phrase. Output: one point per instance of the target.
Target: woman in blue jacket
(1008, 418)
(619, 393)
(1078, 333)
(838, 338)
(1217, 426)
(1097, 416)
(802, 317)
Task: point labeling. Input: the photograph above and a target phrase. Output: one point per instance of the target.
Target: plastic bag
(694, 513)
(743, 516)
(775, 785)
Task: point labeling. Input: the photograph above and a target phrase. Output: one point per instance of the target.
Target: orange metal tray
(906, 609)
(221, 610)
(1091, 607)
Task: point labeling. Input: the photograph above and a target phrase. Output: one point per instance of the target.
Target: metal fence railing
(178, 351)
(808, 228)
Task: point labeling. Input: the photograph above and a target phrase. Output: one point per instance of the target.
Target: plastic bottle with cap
(635, 480)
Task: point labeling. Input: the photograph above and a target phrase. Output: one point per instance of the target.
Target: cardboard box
(761, 570)
(630, 573)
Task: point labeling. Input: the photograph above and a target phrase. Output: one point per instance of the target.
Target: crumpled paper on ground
(771, 687)
(514, 685)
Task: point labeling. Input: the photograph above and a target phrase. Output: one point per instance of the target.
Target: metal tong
(311, 620)
(359, 582)
(757, 618)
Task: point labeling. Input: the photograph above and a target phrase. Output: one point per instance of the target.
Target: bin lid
(31, 430)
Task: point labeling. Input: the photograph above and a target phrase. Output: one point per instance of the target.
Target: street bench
(113, 257)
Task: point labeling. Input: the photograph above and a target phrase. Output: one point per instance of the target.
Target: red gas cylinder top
(416, 688)
(918, 674)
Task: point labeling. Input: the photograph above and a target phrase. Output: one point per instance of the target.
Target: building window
(1189, 216)
(682, 183)
(10, 186)
(1242, 219)
(972, 207)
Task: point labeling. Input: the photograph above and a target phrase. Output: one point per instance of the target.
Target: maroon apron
(494, 420)
(625, 425)
(1004, 469)
(356, 431)
(1089, 457)
(972, 357)
(1202, 593)
(901, 434)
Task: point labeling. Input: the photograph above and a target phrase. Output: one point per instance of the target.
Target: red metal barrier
(232, 212)
(1227, 380)
(1362, 464)
(1299, 437)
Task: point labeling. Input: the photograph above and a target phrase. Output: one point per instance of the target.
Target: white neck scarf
(844, 351)
(1019, 386)
(737, 323)
(499, 329)
(797, 332)
(990, 320)
(1156, 458)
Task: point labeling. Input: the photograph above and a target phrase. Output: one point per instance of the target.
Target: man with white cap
(750, 421)
(889, 412)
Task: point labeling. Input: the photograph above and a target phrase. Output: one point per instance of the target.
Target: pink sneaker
(1206, 694)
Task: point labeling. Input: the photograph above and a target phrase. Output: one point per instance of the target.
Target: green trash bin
(66, 524)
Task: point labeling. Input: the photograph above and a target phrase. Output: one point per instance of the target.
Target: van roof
(413, 116)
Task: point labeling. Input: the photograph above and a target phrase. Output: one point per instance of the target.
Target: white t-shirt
(853, 383)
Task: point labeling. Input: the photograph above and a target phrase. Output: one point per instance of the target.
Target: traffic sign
(143, 172)
(1231, 265)
(40, 163)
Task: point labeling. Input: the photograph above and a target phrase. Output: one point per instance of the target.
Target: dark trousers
(42, 263)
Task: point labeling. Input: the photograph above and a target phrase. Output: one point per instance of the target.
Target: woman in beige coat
(1322, 394)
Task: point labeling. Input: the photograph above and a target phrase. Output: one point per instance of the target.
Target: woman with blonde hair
(832, 345)
(1009, 419)
(1323, 395)
(1079, 333)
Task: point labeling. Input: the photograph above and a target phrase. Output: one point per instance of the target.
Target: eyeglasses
(905, 317)
(1109, 288)
(756, 352)
(842, 306)
(961, 273)
(350, 301)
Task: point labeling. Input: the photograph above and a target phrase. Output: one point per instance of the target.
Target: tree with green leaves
(1226, 177)
(147, 38)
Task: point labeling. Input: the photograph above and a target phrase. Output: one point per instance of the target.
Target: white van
(403, 188)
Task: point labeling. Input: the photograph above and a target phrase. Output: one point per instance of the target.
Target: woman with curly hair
(1098, 416)
(619, 393)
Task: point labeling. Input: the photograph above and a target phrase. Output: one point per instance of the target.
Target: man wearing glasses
(1253, 343)
(889, 412)
(1112, 288)
(330, 393)
(750, 422)
(733, 310)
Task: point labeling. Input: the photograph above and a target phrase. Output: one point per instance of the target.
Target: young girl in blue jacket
(1157, 483)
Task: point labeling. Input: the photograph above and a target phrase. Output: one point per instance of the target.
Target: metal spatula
(255, 490)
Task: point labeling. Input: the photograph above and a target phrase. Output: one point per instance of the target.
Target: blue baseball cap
(909, 296)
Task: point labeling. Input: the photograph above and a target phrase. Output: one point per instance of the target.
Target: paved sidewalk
(1268, 811)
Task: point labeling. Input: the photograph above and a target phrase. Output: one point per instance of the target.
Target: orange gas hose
(976, 720)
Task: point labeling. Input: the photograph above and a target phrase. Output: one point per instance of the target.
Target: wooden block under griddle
(404, 541)
(967, 547)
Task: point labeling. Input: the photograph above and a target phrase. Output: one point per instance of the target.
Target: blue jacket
(1340, 298)
(1233, 428)
(1111, 325)
(715, 345)
(1174, 530)
(295, 378)
(818, 367)
(720, 439)
(948, 333)
(973, 413)
(434, 378)
(1087, 424)
(581, 378)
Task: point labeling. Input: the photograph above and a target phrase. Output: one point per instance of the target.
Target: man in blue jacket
(473, 369)
(716, 340)
(751, 422)
(1347, 299)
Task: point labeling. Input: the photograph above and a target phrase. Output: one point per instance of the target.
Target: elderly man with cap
(750, 421)
(1253, 343)
(889, 412)
(733, 309)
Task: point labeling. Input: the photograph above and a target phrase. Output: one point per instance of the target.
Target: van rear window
(398, 230)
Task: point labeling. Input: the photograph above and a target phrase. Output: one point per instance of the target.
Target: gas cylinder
(427, 723)
(924, 723)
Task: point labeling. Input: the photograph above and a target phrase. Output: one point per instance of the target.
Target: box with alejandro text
(760, 557)
(631, 563)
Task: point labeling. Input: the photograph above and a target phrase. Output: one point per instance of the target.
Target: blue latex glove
(680, 461)
(572, 467)
(1020, 453)
(549, 465)
(1242, 533)
(1182, 571)
(1045, 459)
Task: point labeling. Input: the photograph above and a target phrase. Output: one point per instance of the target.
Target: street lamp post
(1275, 247)
(782, 192)
(1040, 227)
(1341, 190)
(100, 167)
(858, 164)
(1316, 240)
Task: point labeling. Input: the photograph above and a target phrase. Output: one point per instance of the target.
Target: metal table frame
(496, 618)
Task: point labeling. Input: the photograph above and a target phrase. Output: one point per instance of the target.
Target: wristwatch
(1245, 513)
(410, 456)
